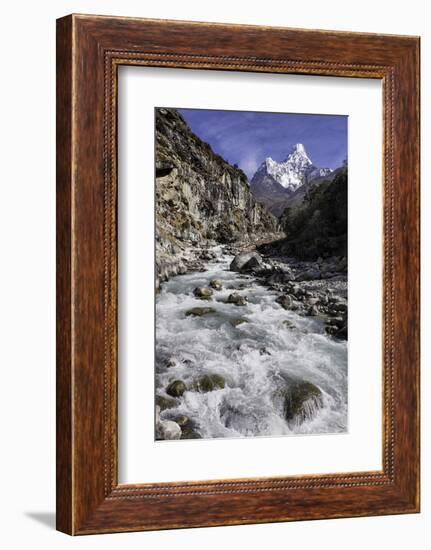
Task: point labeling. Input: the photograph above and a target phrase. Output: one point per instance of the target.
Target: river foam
(255, 358)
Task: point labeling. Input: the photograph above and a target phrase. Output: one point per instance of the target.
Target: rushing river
(254, 357)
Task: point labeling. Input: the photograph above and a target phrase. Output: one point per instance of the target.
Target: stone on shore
(311, 274)
(246, 262)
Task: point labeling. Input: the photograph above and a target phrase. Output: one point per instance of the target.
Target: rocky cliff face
(200, 199)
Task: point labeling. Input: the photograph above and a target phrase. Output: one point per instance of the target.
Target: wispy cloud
(247, 138)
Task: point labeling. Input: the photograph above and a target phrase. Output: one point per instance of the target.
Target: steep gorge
(201, 199)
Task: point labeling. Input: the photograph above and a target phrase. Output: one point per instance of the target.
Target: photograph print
(251, 274)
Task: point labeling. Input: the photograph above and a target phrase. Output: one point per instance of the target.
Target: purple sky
(247, 138)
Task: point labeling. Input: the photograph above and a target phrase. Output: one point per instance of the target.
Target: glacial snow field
(254, 352)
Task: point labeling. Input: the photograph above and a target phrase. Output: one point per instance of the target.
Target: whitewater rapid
(254, 357)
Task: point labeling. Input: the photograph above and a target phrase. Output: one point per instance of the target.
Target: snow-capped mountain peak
(274, 180)
(290, 172)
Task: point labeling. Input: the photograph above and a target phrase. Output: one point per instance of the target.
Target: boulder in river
(237, 299)
(200, 311)
(285, 301)
(209, 382)
(190, 430)
(166, 402)
(238, 321)
(301, 402)
(166, 429)
(176, 388)
(246, 261)
(216, 284)
(181, 420)
(203, 292)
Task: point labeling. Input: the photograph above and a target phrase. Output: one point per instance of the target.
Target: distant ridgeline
(316, 226)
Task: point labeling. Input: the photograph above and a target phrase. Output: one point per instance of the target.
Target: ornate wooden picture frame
(89, 51)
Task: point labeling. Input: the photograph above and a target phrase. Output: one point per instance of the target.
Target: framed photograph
(237, 274)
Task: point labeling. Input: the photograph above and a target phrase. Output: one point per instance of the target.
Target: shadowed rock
(166, 402)
(301, 402)
(176, 388)
(246, 262)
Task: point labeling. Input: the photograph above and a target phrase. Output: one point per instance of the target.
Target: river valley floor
(252, 346)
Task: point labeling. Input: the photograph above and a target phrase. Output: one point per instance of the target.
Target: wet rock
(312, 311)
(246, 262)
(166, 429)
(288, 324)
(166, 402)
(176, 388)
(209, 382)
(264, 351)
(237, 299)
(216, 284)
(238, 321)
(190, 430)
(181, 420)
(172, 362)
(203, 292)
(238, 418)
(200, 311)
(302, 401)
(285, 301)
